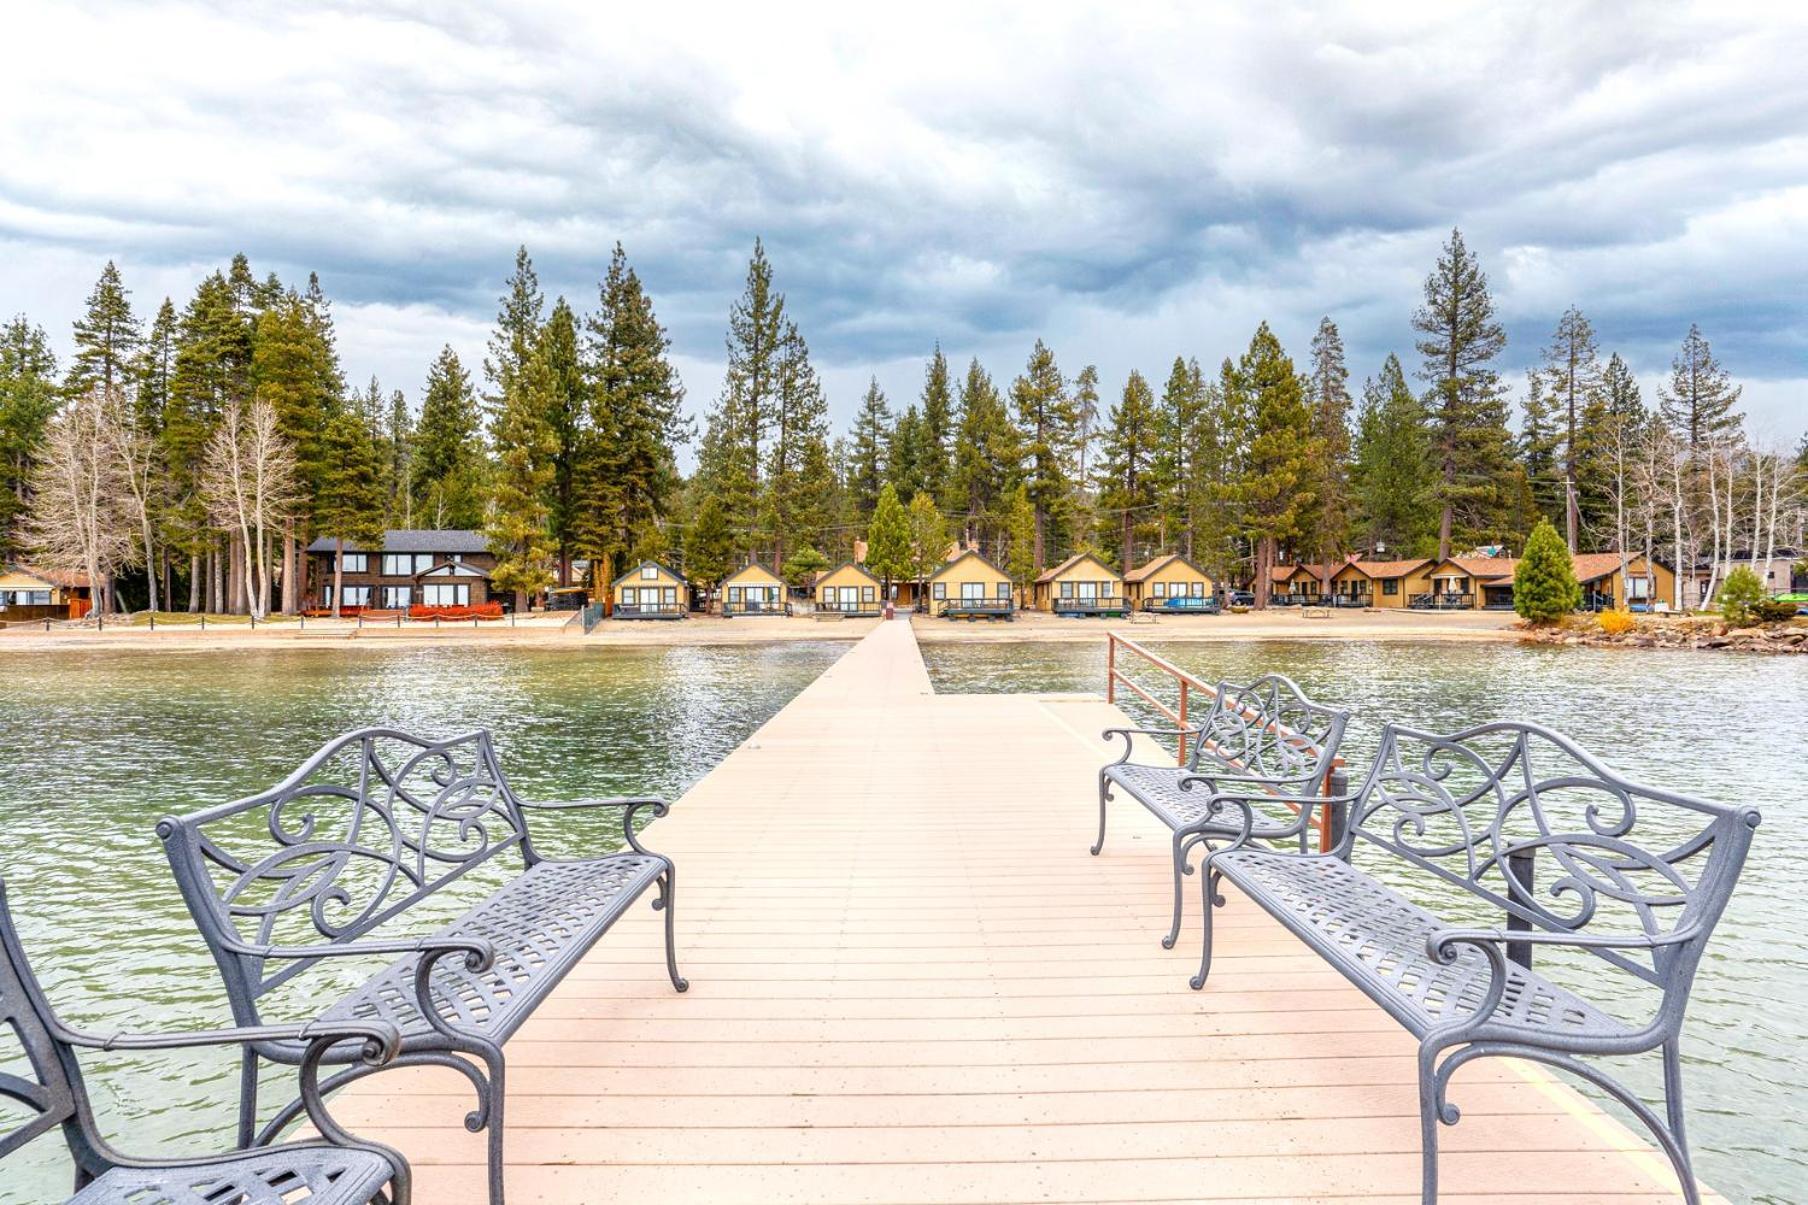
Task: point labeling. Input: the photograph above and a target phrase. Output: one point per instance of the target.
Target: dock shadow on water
(101, 744)
(1730, 728)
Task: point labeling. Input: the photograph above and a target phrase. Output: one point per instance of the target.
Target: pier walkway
(909, 982)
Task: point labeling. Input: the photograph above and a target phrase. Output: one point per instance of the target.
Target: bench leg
(1104, 797)
(1208, 888)
(247, 1097)
(668, 888)
(1432, 1110)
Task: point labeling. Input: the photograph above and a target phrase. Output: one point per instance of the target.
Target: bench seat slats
(1376, 937)
(540, 923)
(1158, 789)
(320, 1175)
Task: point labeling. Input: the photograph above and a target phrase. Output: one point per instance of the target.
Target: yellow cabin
(971, 587)
(27, 593)
(1393, 583)
(753, 590)
(650, 591)
(1080, 585)
(848, 589)
(1168, 583)
(1648, 583)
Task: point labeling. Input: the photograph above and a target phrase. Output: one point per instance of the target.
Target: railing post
(1519, 890)
(1181, 740)
(1110, 667)
(1335, 817)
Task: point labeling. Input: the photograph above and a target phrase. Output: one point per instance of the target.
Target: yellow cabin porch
(971, 587)
(1393, 583)
(1169, 582)
(753, 590)
(650, 591)
(1080, 585)
(849, 589)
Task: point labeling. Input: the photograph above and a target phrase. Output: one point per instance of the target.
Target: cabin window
(649, 573)
(405, 564)
(1067, 589)
(446, 594)
(734, 594)
(973, 590)
(866, 594)
(1638, 587)
(1004, 589)
(1161, 589)
(629, 596)
(940, 589)
(351, 596)
(1389, 586)
(357, 562)
(1198, 590)
(397, 597)
(25, 598)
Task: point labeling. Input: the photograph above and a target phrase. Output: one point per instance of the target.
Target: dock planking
(910, 982)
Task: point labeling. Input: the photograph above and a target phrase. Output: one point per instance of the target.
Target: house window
(1389, 586)
(649, 573)
(1067, 589)
(446, 594)
(628, 596)
(1004, 589)
(1198, 590)
(395, 598)
(25, 598)
(669, 594)
(973, 590)
(734, 594)
(407, 564)
(1638, 587)
(940, 589)
(357, 562)
(866, 594)
(352, 596)
(1160, 589)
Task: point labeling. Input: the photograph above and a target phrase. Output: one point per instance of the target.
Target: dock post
(1337, 813)
(1519, 890)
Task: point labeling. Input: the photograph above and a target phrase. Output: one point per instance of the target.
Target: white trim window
(397, 598)
(649, 573)
(445, 594)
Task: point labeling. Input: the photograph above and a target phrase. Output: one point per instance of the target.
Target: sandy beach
(554, 631)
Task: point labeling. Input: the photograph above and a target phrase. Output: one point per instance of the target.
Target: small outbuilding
(971, 587)
(1080, 585)
(650, 591)
(1393, 583)
(1170, 583)
(848, 589)
(28, 593)
(1647, 582)
(753, 590)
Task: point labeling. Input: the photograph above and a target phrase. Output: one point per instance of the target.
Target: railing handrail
(1189, 683)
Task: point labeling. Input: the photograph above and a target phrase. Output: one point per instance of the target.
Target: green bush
(1544, 584)
(1741, 592)
(1771, 610)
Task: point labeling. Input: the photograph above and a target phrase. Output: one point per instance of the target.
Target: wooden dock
(910, 982)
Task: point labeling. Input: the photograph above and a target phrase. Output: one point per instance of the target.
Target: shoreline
(552, 633)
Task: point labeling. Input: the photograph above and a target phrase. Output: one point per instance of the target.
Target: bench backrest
(1270, 729)
(1528, 821)
(372, 824)
(52, 1092)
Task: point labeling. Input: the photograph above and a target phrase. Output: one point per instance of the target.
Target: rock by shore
(1693, 632)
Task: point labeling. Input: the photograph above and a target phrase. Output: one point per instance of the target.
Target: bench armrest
(1438, 943)
(1130, 746)
(1243, 801)
(478, 951)
(381, 1040)
(629, 804)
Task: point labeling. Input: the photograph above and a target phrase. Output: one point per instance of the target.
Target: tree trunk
(1264, 582)
(1444, 524)
(338, 573)
(291, 582)
(194, 582)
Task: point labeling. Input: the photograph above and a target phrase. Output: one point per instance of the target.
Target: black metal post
(1519, 890)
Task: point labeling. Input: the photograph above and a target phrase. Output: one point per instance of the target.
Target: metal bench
(1633, 876)
(1266, 735)
(336, 1169)
(372, 827)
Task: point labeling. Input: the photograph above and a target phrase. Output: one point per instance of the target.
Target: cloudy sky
(1128, 181)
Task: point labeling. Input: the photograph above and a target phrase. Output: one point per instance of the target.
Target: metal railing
(1330, 819)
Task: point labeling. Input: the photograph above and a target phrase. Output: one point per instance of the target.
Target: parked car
(1239, 598)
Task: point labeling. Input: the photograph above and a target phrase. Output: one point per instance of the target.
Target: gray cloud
(1131, 182)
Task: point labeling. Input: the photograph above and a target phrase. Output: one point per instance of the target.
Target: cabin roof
(408, 539)
(1593, 566)
(642, 565)
(1380, 569)
(67, 580)
(1050, 575)
(1156, 564)
(751, 567)
(1484, 568)
(854, 565)
(963, 555)
(453, 569)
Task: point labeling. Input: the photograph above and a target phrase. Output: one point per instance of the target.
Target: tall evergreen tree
(1327, 526)
(107, 338)
(1459, 340)
(888, 538)
(398, 429)
(794, 489)
(1625, 403)
(934, 460)
(527, 445)
(1573, 378)
(518, 321)
(871, 450)
(731, 457)
(905, 469)
(1185, 443)
(349, 504)
(28, 399)
(928, 538)
(156, 369)
(1541, 447)
(1048, 419)
(1697, 401)
(1126, 470)
(984, 468)
(1392, 476)
(1274, 490)
(709, 542)
(446, 471)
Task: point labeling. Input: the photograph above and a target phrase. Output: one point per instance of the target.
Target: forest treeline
(186, 461)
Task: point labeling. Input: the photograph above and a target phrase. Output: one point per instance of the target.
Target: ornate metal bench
(1634, 876)
(1266, 735)
(371, 828)
(335, 1170)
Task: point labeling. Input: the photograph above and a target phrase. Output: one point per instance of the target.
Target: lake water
(1727, 727)
(99, 745)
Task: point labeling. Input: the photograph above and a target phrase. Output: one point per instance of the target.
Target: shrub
(1617, 623)
(1544, 584)
(1772, 610)
(1741, 592)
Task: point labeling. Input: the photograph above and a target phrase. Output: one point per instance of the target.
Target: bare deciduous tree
(249, 485)
(140, 470)
(80, 520)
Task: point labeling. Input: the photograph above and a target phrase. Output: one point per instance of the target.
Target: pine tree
(517, 329)
(554, 385)
(1698, 400)
(348, 505)
(1048, 419)
(398, 429)
(1274, 490)
(1470, 444)
(1572, 377)
(934, 461)
(799, 437)
(871, 451)
(1544, 583)
(107, 338)
(1327, 526)
(928, 537)
(905, 470)
(1127, 484)
(527, 445)
(888, 539)
(1392, 476)
(156, 369)
(1625, 403)
(1019, 532)
(1184, 444)
(446, 471)
(1541, 448)
(731, 456)
(984, 468)
(709, 542)
(28, 400)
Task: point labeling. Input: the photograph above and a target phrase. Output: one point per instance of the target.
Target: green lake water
(1726, 727)
(99, 745)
